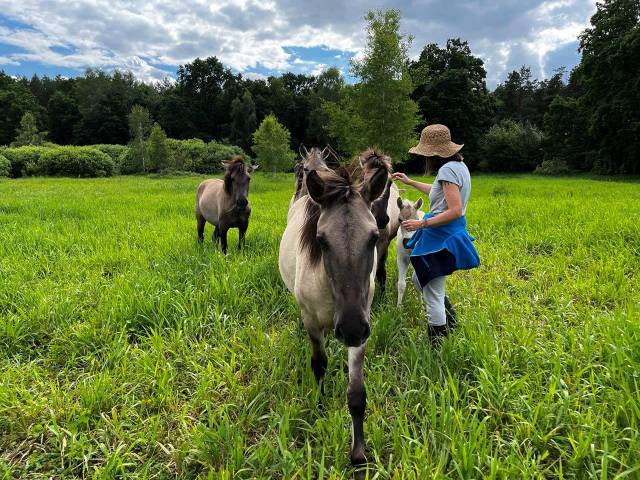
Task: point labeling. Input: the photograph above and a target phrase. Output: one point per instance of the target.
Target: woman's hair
(434, 163)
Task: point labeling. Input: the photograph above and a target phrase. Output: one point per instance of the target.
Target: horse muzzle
(352, 327)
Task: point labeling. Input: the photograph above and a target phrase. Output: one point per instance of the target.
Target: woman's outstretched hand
(411, 225)
(401, 177)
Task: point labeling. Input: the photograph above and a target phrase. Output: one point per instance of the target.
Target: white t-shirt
(454, 172)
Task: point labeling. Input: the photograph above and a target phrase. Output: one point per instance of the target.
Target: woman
(441, 245)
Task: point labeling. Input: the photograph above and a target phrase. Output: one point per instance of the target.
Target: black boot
(450, 313)
(437, 333)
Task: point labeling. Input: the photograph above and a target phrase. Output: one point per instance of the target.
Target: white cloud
(151, 38)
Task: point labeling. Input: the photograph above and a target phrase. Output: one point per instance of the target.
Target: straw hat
(435, 140)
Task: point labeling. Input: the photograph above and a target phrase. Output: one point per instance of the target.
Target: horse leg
(403, 266)
(215, 237)
(357, 401)
(242, 229)
(200, 226)
(223, 239)
(382, 250)
(318, 357)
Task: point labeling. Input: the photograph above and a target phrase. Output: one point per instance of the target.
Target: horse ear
(400, 203)
(418, 204)
(315, 186)
(253, 168)
(375, 185)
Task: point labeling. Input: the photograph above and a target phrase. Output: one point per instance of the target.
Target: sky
(264, 37)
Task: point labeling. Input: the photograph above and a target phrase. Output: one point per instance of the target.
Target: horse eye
(322, 241)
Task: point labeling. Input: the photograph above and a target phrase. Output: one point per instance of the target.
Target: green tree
(243, 120)
(607, 81)
(15, 101)
(139, 127)
(271, 145)
(63, 115)
(158, 149)
(27, 133)
(380, 103)
(451, 89)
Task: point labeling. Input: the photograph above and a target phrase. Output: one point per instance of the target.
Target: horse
(384, 209)
(224, 203)
(407, 211)
(327, 261)
(313, 159)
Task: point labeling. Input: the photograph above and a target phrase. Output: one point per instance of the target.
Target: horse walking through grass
(328, 261)
(224, 202)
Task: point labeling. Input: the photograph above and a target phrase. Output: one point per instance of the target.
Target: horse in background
(224, 203)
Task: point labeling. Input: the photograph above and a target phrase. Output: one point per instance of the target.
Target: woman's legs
(433, 294)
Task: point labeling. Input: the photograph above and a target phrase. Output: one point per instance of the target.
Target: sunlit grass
(128, 350)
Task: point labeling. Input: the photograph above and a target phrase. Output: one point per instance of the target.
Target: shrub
(115, 151)
(73, 162)
(23, 158)
(5, 166)
(553, 167)
(198, 156)
(511, 147)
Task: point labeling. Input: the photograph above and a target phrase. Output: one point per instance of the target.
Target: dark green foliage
(565, 135)
(21, 158)
(158, 150)
(5, 166)
(69, 161)
(63, 114)
(15, 101)
(28, 133)
(511, 147)
(451, 89)
(243, 120)
(608, 81)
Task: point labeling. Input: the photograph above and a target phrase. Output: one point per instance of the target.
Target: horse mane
(234, 166)
(373, 158)
(338, 187)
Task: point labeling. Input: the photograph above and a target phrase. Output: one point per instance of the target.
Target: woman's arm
(453, 211)
(423, 187)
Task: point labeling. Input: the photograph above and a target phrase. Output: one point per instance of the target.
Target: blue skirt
(438, 251)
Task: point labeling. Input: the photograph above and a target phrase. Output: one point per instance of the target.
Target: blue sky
(259, 38)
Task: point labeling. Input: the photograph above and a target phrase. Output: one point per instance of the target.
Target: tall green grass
(127, 350)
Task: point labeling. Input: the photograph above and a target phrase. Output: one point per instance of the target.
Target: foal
(327, 260)
(224, 203)
(408, 211)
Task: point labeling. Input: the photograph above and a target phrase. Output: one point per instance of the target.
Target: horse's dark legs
(222, 234)
(200, 226)
(242, 229)
(357, 401)
(318, 357)
(215, 237)
(382, 248)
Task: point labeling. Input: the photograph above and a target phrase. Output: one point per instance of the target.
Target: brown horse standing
(224, 203)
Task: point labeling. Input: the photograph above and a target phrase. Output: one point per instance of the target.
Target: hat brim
(444, 151)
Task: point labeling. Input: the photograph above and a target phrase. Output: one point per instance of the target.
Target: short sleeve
(448, 174)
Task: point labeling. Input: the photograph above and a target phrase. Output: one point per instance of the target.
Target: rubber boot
(450, 313)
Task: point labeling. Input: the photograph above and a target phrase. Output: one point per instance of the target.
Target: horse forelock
(338, 188)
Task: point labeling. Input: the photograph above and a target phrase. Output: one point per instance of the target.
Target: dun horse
(224, 203)
(313, 159)
(327, 260)
(408, 211)
(384, 209)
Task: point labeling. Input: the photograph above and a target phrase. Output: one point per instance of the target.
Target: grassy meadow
(127, 350)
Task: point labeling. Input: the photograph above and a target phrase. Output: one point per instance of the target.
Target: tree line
(590, 123)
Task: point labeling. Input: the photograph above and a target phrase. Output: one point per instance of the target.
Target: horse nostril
(242, 202)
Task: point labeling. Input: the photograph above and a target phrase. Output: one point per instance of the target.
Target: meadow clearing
(127, 350)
